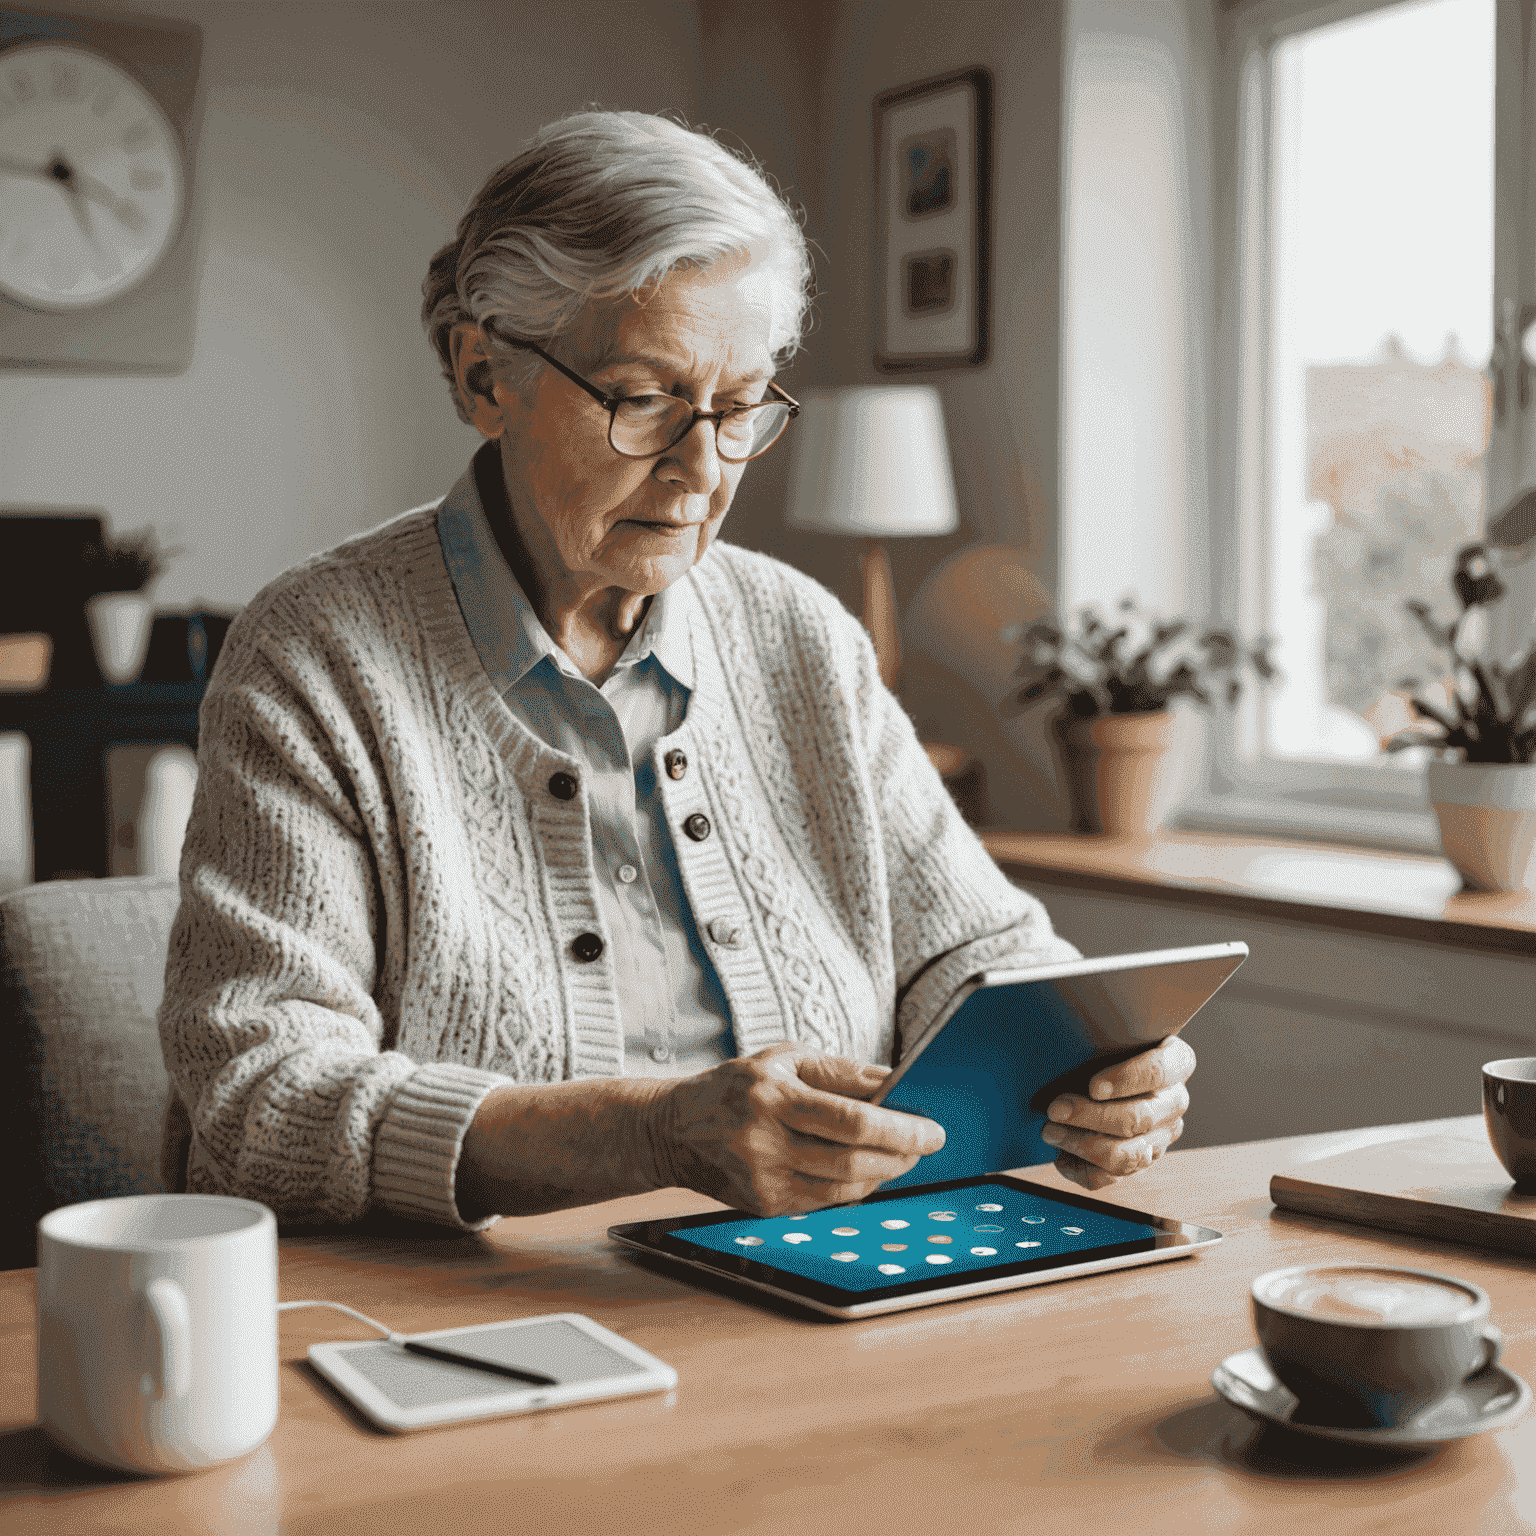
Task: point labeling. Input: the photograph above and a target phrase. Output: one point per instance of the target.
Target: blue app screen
(894, 1242)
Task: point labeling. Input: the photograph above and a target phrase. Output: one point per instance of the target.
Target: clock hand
(63, 175)
(10, 167)
(127, 212)
(81, 212)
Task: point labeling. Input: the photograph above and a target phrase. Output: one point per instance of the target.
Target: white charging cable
(431, 1351)
(336, 1306)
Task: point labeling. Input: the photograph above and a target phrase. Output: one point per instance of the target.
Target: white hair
(598, 205)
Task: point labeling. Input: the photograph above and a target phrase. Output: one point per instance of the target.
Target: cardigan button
(726, 933)
(563, 787)
(697, 826)
(586, 946)
(677, 763)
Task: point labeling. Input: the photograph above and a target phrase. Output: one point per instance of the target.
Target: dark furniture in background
(43, 586)
(73, 722)
(70, 731)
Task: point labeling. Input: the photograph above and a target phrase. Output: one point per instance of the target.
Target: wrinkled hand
(1134, 1113)
(786, 1130)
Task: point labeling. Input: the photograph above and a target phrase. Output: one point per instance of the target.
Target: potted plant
(118, 574)
(1117, 682)
(1482, 729)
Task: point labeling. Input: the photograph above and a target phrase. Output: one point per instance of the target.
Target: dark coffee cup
(1363, 1345)
(1509, 1111)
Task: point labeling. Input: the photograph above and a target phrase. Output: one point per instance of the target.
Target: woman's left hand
(1134, 1113)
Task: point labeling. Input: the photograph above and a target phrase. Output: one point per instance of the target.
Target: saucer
(1492, 1399)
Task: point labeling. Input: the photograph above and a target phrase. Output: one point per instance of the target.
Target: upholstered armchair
(82, 967)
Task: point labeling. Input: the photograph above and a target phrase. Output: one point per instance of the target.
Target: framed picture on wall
(932, 236)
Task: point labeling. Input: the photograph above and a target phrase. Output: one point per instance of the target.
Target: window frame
(1332, 801)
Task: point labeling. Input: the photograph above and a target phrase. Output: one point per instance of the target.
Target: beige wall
(1003, 418)
(339, 145)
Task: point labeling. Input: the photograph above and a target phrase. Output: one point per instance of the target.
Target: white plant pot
(120, 625)
(1487, 815)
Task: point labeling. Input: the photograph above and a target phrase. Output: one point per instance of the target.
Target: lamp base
(880, 610)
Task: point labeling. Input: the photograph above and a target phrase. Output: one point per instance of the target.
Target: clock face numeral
(91, 179)
(68, 82)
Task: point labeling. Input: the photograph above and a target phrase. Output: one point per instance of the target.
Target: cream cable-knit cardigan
(380, 891)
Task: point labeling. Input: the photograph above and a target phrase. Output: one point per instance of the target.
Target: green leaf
(1443, 635)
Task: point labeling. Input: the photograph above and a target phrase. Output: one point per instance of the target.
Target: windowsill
(1366, 824)
(1362, 890)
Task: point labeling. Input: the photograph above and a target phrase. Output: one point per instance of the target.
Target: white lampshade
(872, 462)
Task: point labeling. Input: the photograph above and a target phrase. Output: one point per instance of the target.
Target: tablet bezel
(330, 1359)
(1063, 970)
(1174, 1240)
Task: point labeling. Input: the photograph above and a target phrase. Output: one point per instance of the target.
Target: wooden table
(1082, 1406)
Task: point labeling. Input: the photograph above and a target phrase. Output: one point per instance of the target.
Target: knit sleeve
(272, 1035)
(953, 912)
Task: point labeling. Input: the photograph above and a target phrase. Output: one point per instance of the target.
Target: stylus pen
(432, 1352)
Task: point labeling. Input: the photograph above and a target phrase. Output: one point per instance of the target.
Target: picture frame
(932, 242)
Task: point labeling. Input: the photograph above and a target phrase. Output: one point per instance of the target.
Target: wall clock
(91, 178)
(97, 249)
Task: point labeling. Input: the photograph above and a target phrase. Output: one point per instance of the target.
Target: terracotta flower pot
(1121, 771)
(1487, 816)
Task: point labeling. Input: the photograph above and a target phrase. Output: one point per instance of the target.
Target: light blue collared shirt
(673, 1008)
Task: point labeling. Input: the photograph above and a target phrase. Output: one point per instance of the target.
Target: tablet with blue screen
(988, 1067)
(956, 1225)
(913, 1247)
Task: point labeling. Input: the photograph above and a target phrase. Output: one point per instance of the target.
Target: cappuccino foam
(1368, 1296)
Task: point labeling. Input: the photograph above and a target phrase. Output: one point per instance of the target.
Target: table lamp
(873, 463)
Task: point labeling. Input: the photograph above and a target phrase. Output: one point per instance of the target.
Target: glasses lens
(744, 434)
(648, 424)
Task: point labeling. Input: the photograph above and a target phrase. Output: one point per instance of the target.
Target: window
(1378, 268)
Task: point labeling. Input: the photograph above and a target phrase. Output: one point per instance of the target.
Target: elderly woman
(547, 850)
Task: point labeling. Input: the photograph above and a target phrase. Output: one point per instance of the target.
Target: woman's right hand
(786, 1130)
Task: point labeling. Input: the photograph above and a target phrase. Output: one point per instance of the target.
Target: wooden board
(1447, 1187)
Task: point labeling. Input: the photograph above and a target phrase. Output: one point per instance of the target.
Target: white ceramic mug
(157, 1330)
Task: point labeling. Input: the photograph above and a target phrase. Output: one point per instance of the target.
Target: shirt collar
(506, 632)
(666, 634)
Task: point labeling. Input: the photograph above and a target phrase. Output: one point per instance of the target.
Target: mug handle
(1493, 1348)
(170, 1330)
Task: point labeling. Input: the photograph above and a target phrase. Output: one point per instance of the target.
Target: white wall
(1003, 418)
(1137, 302)
(339, 145)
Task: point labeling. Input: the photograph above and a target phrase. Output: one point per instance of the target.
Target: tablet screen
(990, 1071)
(933, 1237)
(550, 1346)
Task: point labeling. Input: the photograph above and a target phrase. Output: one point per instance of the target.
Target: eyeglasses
(643, 426)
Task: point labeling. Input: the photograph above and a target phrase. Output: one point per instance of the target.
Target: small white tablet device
(400, 1391)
